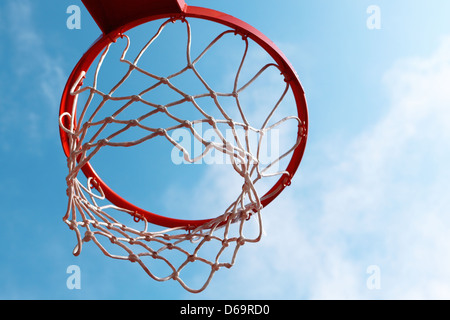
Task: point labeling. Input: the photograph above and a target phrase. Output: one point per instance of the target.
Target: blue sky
(372, 189)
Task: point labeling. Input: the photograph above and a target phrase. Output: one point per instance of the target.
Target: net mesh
(94, 219)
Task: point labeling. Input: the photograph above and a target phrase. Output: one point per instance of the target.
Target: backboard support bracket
(112, 14)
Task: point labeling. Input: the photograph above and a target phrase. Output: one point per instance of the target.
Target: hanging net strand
(95, 219)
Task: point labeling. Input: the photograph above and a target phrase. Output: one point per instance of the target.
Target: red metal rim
(67, 106)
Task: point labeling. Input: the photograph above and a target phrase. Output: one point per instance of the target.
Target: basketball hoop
(93, 205)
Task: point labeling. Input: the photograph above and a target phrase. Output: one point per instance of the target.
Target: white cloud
(35, 76)
(383, 202)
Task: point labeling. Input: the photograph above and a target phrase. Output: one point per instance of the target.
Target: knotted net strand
(92, 219)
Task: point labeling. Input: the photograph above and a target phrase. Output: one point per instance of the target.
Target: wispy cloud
(381, 199)
(33, 74)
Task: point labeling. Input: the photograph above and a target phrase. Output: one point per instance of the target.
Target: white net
(164, 253)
